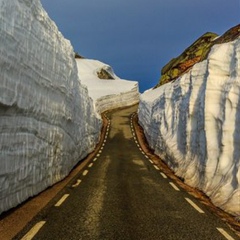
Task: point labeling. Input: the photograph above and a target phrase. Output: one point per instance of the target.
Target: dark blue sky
(138, 37)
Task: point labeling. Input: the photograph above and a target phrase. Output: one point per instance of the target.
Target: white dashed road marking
(163, 175)
(33, 231)
(85, 173)
(225, 234)
(90, 165)
(156, 167)
(95, 159)
(77, 183)
(151, 161)
(61, 201)
(174, 186)
(194, 205)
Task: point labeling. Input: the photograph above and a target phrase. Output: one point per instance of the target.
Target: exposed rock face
(78, 56)
(197, 52)
(104, 74)
(47, 120)
(193, 124)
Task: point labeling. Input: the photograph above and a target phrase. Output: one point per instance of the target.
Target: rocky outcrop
(47, 120)
(104, 74)
(197, 52)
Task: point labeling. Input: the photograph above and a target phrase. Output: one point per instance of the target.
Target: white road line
(95, 159)
(85, 172)
(136, 142)
(77, 183)
(100, 151)
(174, 186)
(60, 202)
(151, 161)
(156, 167)
(98, 155)
(90, 165)
(163, 175)
(225, 234)
(105, 140)
(194, 205)
(33, 231)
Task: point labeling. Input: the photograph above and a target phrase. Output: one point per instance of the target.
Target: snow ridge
(108, 93)
(193, 124)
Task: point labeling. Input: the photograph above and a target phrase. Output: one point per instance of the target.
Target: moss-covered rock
(197, 52)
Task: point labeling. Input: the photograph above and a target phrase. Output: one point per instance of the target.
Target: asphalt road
(121, 195)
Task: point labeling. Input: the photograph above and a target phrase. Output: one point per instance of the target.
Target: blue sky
(138, 37)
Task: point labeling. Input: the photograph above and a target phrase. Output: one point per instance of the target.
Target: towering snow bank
(47, 120)
(110, 93)
(193, 124)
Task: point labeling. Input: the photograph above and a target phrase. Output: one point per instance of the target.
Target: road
(121, 195)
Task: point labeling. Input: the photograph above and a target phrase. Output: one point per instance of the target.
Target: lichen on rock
(197, 52)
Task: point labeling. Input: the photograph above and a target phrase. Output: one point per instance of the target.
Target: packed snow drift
(193, 124)
(106, 93)
(47, 119)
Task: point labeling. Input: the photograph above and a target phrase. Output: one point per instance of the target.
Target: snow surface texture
(193, 124)
(47, 120)
(106, 94)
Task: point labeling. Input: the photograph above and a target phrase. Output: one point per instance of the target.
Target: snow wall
(193, 124)
(47, 120)
(106, 93)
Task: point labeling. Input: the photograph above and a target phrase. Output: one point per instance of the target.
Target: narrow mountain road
(121, 195)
